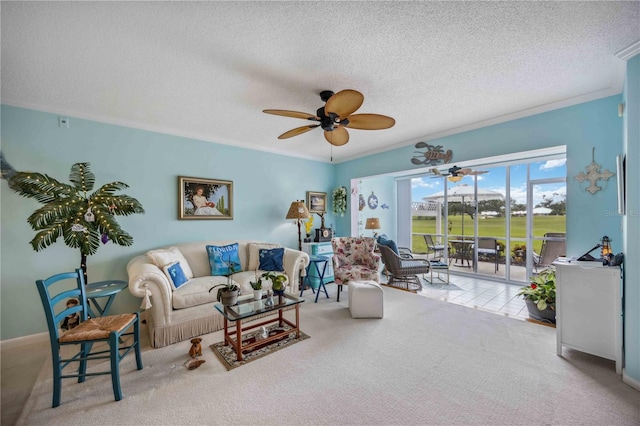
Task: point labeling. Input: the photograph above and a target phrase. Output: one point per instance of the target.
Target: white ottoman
(365, 299)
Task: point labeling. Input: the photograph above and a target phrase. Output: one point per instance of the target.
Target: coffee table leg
(239, 340)
(226, 331)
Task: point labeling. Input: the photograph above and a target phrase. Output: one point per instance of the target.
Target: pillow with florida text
(271, 259)
(224, 260)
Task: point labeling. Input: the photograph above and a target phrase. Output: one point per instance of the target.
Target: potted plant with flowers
(277, 281)
(257, 287)
(228, 294)
(540, 295)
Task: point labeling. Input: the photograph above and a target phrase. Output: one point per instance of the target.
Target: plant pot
(547, 315)
(257, 294)
(229, 298)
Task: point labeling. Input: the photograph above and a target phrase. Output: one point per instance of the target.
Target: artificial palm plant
(81, 217)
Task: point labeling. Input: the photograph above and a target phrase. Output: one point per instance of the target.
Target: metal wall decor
(372, 201)
(593, 175)
(433, 156)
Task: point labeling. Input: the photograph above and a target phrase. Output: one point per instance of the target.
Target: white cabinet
(589, 309)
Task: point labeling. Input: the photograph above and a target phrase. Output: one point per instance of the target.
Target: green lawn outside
(493, 227)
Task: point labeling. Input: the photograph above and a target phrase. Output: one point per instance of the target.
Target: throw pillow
(254, 254)
(389, 243)
(175, 274)
(164, 257)
(271, 259)
(224, 260)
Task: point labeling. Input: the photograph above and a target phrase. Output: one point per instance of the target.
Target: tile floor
(475, 292)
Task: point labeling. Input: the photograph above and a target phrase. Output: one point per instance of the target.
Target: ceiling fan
(455, 173)
(336, 116)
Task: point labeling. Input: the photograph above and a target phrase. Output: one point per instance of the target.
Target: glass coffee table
(248, 309)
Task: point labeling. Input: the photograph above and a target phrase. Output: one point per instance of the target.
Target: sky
(495, 180)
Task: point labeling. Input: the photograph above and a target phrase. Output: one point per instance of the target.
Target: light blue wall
(632, 221)
(580, 127)
(384, 190)
(150, 163)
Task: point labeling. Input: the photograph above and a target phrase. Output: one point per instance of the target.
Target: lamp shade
(298, 211)
(372, 223)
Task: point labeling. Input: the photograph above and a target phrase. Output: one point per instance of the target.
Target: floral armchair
(354, 260)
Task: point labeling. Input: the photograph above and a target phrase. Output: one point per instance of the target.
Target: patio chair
(107, 330)
(404, 270)
(432, 247)
(550, 250)
(354, 260)
(461, 251)
(489, 247)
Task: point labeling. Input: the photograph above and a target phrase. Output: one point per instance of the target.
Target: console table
(589, 309)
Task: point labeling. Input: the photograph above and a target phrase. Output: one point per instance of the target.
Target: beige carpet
(426, 362)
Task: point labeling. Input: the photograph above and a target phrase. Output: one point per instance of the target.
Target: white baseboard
(25, 340)
(630, 380)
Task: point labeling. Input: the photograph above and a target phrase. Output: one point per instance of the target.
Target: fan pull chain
(331, 152)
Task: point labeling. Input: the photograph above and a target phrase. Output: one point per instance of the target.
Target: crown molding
(629, 51)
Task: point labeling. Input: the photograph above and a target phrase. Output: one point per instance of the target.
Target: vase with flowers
(540, 295)
(308, 226)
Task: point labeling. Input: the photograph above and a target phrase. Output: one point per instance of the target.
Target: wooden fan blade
(337, 137)
(463, 171)
(294, 114)
(477, 172)
(436, 172)
(344, 103)
(370, 122)
(297, 131)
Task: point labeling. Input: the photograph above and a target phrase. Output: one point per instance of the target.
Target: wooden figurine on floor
(196, 347)
(194, 352)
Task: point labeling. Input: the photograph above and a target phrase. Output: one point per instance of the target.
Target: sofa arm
(145, 276)
(295, 265)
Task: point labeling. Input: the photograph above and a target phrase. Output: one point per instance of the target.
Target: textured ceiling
(207, 69)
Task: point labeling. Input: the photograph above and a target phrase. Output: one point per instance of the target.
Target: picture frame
(213, 198)
(317, 202)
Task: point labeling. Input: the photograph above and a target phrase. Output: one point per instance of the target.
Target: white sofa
(186, 312)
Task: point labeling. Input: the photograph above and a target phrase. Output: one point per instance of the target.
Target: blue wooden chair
(55, 293)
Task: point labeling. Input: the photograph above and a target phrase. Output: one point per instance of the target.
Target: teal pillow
(175, 274)
(271, 259)
(389, 243)
(224, 260)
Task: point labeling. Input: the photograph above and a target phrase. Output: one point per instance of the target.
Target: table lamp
(298, 211)
(373, 223)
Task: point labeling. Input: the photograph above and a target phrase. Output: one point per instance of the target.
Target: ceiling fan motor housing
(329, 121)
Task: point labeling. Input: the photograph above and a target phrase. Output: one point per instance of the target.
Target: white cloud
(424, 183)
(552, 164)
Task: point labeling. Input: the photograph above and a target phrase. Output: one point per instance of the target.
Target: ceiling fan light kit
(336, 116)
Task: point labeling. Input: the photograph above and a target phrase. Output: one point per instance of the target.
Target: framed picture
(205, 198)
(317, 202)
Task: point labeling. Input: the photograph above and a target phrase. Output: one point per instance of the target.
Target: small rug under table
(227, 354)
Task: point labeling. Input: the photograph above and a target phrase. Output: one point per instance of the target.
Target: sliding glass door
(484, 222)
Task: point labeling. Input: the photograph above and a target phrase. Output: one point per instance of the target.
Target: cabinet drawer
(324, 249)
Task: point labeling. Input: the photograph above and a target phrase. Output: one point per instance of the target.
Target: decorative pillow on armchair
(224, 260)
